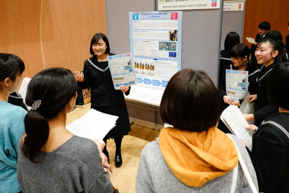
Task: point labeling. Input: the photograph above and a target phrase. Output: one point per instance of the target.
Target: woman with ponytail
(269, 53)
(12, 121)
(51, 158)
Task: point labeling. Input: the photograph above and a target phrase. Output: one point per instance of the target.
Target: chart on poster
(155, 43)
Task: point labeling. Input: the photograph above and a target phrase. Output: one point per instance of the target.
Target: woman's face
(239, 62)
(265, 54)
(99, 48)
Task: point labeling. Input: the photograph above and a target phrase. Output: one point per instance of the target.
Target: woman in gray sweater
(51, 159)
(193, 155)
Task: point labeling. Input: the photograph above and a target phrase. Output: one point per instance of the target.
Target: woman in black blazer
(104, 97)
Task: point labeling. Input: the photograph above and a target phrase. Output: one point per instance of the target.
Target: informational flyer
(187, 4)
(237, 84)
(122, 70)
(233, 6)
(155, 45)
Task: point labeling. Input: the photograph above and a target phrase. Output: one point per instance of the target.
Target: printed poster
(155, 45)
(122, 70)
(237, 84)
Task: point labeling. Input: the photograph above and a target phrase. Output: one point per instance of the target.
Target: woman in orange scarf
(192, 155)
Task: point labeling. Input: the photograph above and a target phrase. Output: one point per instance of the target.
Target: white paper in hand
(235, 121)
(93, 124)
(251, 40)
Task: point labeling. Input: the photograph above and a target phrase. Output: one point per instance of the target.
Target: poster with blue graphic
(188, 4)
(237, 84)
(155, 44)
(122, 70)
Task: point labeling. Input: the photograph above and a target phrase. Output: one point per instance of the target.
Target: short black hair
(10, 65)
(240, 50)
(231, 39)
(95, 40)
(190, 101)
(278, 85)
(264, 25)
(274, 34)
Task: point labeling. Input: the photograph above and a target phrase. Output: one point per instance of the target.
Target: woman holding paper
(270, 152)
(104, 97)
(240, 57)
(269, 53)
(193, 155)
(12, 121)
(51, 159)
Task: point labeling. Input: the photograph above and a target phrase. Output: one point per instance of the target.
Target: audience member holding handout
(50, 158)
(270, 152)
(12, 121)
(193, 155)
(269, 53)
(240, 57)
(231, 39)
(104, 97)
(263, 28)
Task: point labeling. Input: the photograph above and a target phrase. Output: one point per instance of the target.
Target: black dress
(104, 97)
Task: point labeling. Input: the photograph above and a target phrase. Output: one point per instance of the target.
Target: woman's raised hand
(79, 76)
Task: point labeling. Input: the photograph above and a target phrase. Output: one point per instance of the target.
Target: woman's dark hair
(278, 85)
(53, 88)
(231, 39)
(240, 50)
(274, 34)
(190, 101)
(10, 66)
(264, 25)
(276, 45)
(95, 40)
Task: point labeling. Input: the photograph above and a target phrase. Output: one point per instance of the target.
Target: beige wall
(48, 33)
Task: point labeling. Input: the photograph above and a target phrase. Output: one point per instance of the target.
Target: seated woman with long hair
(51, 159)
(193, 155)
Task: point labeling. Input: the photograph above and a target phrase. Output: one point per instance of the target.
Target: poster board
(155, 42)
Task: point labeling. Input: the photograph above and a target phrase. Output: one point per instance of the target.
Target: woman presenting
(104, 97)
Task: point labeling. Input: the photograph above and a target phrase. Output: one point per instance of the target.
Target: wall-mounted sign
(188, 4)
(233, 6)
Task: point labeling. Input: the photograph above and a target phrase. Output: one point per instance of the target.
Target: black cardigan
(100, 81)
(265, 107)
(270, 155)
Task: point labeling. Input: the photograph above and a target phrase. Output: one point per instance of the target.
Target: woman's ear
(245, 58)
(275, 53)
(7, 81)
